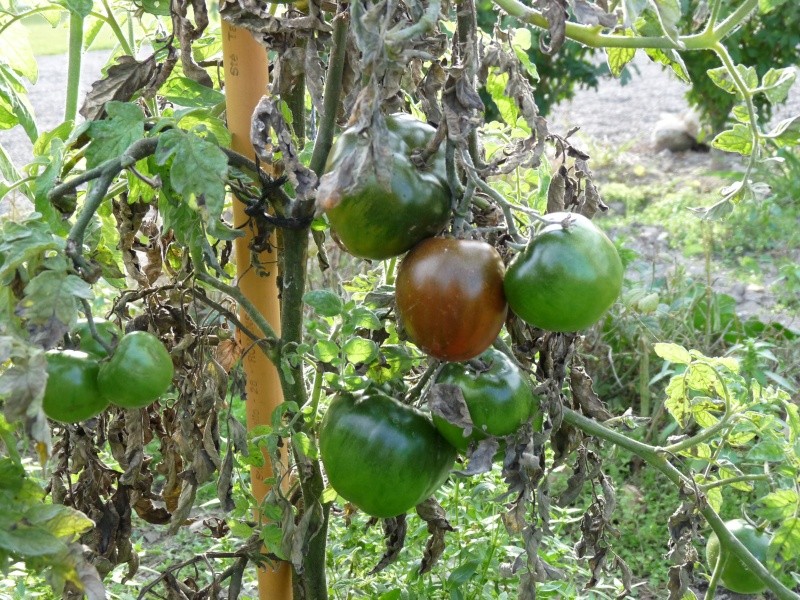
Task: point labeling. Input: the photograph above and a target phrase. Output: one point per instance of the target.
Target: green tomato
(735, 576)
(381, 455)
(72, 394)
(138, 373)
(107, 330)
(374, 222)
(567, 277)
(498, 395)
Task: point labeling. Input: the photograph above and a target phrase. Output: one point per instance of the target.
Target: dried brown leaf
(122, 81)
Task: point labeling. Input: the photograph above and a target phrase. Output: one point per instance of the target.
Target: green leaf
(779, 505)
(722, 79)
(112, 135)
(61, 521)
(79, 7)
(326, 351)
(740, 113)
(22, 242)
(324, 302)
(673, 353)
(361, 317)
(17, 53)
(24, 541)
(198, 171)
(521, 42)
(304, 444)
(329, 495)
(617, 58)
(739, 139)
(14, 101)
(201, 123)
(784, 548)
(360, 350)
(272, 535)
(496, 86)
(187, 92)
(671, 59)
(767, 451)
(786, 133)
(765, 6)
(776, 84)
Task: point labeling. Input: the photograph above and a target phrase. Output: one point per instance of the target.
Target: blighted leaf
(588, 401)
(122, 81)
(592, 14)
(433, 514)
(481, 458)
(394, 530)
(112, 136)
(739, 139)
(555, 11)
(447, 401)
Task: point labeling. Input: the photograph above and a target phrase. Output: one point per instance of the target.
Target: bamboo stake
(246, 80)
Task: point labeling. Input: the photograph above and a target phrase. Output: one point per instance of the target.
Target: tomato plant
(450, 297)
(498, 395)
(72, 393)
(138, 373)
(383, 456)
(376, 223)
(734, 575)
(566, 277)
(107, 330)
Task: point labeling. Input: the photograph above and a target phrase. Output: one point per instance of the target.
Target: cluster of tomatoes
(82, 383)
(452, 298)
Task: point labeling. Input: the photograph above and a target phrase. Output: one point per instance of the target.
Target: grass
(47, 39)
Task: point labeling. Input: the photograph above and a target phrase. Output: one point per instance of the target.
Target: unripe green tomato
(376, 222)
(107, 330)
(138, 373)
(567, 277)
(381, 455)
(72, 394)
(498, 395)
(735, 576)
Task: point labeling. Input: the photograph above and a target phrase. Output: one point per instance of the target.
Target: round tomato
(567, 276)
(71, 394)
(139, 371)
(381, 455)
(107, 330)
(735, 576)
(498, 395)
(374, 222)
(450, 297)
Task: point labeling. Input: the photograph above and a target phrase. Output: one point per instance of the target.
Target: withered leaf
(591, 14)
(481, 459)
(122, 81)
(447, 401)
(394, 530)
(590, 404)
(555, 11)
(433, 514)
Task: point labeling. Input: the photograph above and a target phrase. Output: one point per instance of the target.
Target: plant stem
(74, 66)
(737, 479)
(333, 91)
(655, 458)
(114, 24)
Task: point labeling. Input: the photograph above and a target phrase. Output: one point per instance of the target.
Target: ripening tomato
(139, 371)
(381, 455)
(450, 297)
(71, 394)
(567, 277)
(376, 222)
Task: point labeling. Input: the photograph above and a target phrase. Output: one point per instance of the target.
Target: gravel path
(48, 98)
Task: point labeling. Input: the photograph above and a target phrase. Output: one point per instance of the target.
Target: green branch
(74, 65)
(654, 457)
(333, 91)
(591, 35)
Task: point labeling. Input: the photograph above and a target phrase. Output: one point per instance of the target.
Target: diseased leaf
(617, 58)
(784, 547)
(779, 505)
(53, 295)
(786, 133)
(592, 14)
(122, 81)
